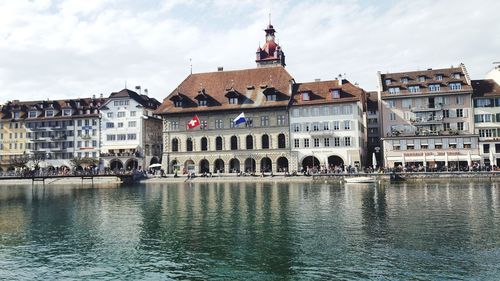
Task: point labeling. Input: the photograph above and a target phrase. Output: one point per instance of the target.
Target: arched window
(218, 143)
(234, 143)
(281, 141)
(189, 144)
(175, 145)
(204, 144)
(265, 141)
(249, 142)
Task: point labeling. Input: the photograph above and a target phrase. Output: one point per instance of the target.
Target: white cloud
(76, 48)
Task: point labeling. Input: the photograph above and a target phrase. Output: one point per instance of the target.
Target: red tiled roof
(319, 92)
(248, 83)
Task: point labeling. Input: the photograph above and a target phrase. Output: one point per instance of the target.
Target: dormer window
(434, 87)
(178, 103)
(202, 102)
(271, 97)
(404, 79)
(456, 75)
(335, 94)
(66, 112)
(49, 113)
(17, 114)
(439, 77)
(32, 114)
(455, 86)
(305, 96)
(421, 78)
(394, 90)
(388, 81)
(233, 100)
(414, 89)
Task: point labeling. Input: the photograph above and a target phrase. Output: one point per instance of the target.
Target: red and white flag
(193, 123)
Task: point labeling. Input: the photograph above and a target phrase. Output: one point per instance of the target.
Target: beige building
(12, 134)
(428, 118)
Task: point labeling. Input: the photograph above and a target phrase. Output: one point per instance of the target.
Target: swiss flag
(193, 123)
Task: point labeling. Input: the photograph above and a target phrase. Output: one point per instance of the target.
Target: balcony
(56, 138)
(40, 139)
(431, 120)
(86, 137)
(428, 108)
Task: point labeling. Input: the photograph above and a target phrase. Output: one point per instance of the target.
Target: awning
(118, 147)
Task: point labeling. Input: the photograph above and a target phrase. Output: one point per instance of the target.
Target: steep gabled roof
(249, 83)
(320, 92)
(143, 100)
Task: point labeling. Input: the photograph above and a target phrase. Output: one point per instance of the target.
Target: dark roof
(485, 88)
(372, 101)
(431, 78)
(320, 92)
(143, 100)
(252, 85)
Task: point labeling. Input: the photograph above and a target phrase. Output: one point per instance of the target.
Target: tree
(36, 158)
(20, 162)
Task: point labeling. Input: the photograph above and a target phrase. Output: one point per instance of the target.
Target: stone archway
(131, 164)
(282, 164)
(175, 166)
(219, 166)
(115, 164)
(266, 165)
(154, 160)
(204, 166)
(310, 162)
(234, 165)
(250, 165)
(189, 166)
(334, 160)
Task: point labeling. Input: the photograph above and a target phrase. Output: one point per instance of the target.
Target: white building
(494, 73)
(131, 134)
(327, 124)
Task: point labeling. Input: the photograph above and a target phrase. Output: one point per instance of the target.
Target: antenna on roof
(191, 65)
(269, 18)
(125, 84)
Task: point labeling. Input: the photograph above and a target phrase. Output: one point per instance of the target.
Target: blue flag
(240, 119)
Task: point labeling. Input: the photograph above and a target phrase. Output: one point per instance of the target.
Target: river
(251, 231)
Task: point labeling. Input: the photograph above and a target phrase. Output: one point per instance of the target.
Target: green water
(251, 232)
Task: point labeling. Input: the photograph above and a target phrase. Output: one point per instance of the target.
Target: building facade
(374, 155)
(131, 133)
(12, 135)
(327, 125)
(486, 100)
(428, 119)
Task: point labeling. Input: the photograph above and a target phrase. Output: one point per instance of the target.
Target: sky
(54, 49)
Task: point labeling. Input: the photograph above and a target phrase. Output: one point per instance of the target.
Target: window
(17, 115)
(486, 148)
(119, 125)
(49, 113)
(406, 103)
(202, 102)
(281, 141)
(110, 137)
(306, 142)
(218, 143)
(121, 114)
(446, 126)
(233, 100)
(204, 144)
(265, 141)
(305, 96)
(446, 113)
(347, 141)
(110, 114)
(336, 125)
(483, 103)
(131, 136)
(110, 125)
(439, 77)
(234, 143)
(460, 126)
(460, 112)
(326, 126)
(121, 102)
(175, 145)
(175, 125)
(271, 97)
(347, 124)
(219, 124)
(132, 113)
(434, 87)
(326, 142)
(421, 78)
(204, 124)
(132, 124)
(394, 90)
(296, 143)
(404, 79)
(455, 86)
(189, 144)
(391, 103)
(249, 123)
(121, 137)
(456, 75)
(336, 141)
(79, 144)
(315, 126)
(32, 114)
(335, 94)
(264, 121)
(459, 100)
(316, 142)
(178, 103)
(346, 109)
(388, 81)
(486, 133)
(315, 111)
(296, 127)
(249, 141)
(79, 123)
(392, 116)
(414, 89)
(281, 120)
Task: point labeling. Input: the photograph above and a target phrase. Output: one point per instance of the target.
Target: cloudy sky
(60, 49)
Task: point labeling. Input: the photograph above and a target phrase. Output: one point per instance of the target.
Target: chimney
(317, 80)
(93, 97)
(220, 68)
(138, 89)
(146, 92)
(101, 95)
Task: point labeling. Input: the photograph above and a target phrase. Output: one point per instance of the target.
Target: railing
(437, 107)
(427, 120)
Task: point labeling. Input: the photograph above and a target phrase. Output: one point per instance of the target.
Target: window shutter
(466, 126)
(465, 112)
(453, 126)
(453, 113)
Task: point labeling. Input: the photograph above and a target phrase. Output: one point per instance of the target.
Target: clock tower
(270, 54)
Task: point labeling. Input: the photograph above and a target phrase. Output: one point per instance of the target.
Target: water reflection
(246, 231)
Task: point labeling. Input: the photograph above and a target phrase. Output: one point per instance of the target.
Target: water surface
(247, 231)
